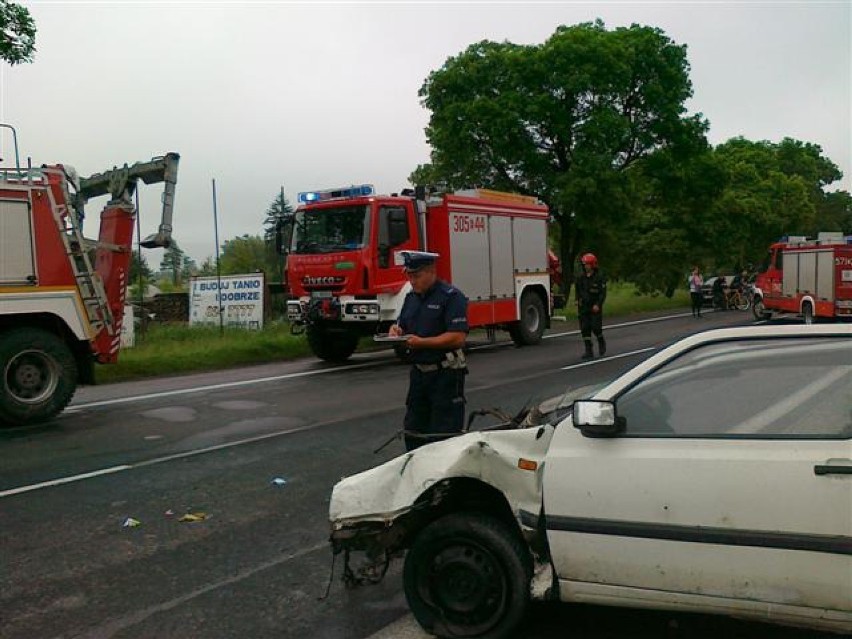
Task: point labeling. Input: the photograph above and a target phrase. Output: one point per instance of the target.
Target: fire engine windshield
(344, 228)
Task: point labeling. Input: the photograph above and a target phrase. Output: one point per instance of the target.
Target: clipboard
(387, 338)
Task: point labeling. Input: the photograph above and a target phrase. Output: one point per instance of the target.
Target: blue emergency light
(361, 190)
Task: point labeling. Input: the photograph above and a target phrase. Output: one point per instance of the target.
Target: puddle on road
(239, 405)
(172, 414)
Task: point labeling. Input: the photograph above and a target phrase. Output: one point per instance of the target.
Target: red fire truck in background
(346, 281)
(62, 295)
(811, 278)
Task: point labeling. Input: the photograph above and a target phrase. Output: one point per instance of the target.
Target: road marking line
(64, 480)
(151, 462)
(608, 359)
(622, 325)
(200, 389)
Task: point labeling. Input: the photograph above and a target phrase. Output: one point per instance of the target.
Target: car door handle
(834, 467)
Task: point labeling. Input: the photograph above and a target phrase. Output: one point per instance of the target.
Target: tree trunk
(569, 243)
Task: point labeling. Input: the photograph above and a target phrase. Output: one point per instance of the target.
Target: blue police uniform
(435, 402)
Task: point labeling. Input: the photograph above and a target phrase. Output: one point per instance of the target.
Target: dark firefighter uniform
(435, 402)
(591, 292)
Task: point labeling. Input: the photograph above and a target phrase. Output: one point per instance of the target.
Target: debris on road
(279, 481)
(169, 513)
(131, 523)
(193, 517)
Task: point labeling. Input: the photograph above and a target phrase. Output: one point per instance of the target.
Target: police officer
(591, 294)
(434, 316)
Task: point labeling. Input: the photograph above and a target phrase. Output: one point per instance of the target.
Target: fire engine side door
(395, 231)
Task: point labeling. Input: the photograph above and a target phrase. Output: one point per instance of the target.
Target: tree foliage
(178, 264)
(279, 209)
(593, 123)
(773, 189)
(566, 121)
(17, 33)
(245, 254)
(139, 268)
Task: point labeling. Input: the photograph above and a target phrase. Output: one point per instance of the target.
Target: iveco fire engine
(62, 295)
(811, 278)
(346, 281)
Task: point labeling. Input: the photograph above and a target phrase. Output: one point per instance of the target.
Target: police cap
(413, 261)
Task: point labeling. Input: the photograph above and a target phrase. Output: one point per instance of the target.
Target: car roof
(718, 335)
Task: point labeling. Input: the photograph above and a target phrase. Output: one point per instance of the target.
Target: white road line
(64, 480)
(608, 359)
(623, 324)
(159, 460)
(156, 460)
(201, 389)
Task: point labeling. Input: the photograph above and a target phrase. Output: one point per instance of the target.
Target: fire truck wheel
(529, 329)
(808, 313)
(468, 575)
(332, 346)
(39, 376)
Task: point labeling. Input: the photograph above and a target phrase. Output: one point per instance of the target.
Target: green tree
(565, 121)
(673, 225)
(245, 254)
(773, 189)
(17, 33)
(208, 267)
(178, 264)
(139, 269)
(279, 209)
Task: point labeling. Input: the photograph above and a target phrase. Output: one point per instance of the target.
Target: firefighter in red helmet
(591, 294)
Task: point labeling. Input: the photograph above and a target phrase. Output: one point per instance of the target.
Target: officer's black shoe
(602, 345)
(588, 354)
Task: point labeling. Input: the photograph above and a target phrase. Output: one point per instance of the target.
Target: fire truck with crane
(343, 268)
(62, 295)
(808, 277)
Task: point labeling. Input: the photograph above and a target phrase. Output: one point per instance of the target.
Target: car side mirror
(596, 418)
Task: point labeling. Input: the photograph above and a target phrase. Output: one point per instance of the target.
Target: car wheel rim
(31, 377)
(467, 584)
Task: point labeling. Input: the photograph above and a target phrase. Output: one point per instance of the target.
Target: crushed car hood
(383, 493)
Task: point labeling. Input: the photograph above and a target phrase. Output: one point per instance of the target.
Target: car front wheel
(468, 575)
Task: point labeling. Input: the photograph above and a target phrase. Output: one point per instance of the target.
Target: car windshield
(327, 230)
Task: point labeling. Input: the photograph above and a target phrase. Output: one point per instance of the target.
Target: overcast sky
(317, 95)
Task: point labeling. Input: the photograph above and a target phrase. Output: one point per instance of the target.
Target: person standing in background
(695, 284)
(591, 294)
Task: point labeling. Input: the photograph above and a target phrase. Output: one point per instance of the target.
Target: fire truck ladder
(89, 282)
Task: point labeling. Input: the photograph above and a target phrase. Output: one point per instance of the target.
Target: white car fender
(384, 493)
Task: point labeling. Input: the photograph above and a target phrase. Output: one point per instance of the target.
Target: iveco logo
(321, 280)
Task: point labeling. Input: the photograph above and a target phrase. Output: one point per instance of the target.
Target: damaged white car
(716, 477)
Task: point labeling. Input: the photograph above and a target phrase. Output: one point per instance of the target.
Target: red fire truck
(811, 278)
(346, 282)
(62, 295)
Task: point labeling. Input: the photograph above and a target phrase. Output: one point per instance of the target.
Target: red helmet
(590, 259)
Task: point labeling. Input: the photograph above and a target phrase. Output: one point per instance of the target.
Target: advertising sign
(239, 298)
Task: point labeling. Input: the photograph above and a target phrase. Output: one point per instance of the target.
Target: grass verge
(171, 349)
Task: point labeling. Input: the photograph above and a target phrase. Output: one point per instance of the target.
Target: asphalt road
(258, 563)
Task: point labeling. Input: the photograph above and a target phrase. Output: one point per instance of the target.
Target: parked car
(649, 493)
(708, 288)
